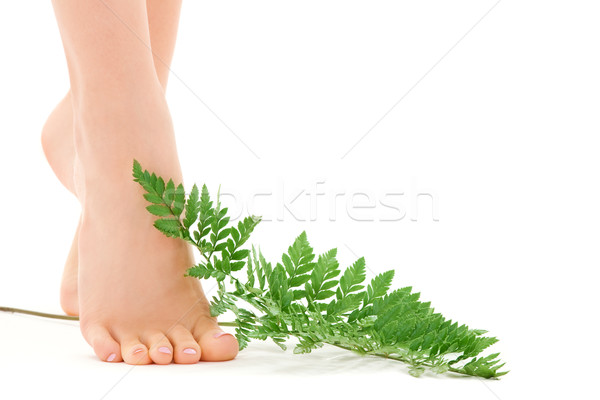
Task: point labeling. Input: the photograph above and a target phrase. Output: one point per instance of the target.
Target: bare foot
(134, 302)
(59, 148)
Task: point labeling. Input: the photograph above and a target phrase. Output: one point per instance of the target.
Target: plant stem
(396, 358)
(67, 317)
(38, 314)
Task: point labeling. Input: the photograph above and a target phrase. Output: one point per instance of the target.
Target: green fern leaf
(379, 286)
(302, 297)
(353, 277)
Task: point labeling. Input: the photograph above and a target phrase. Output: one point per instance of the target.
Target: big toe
(216, 344)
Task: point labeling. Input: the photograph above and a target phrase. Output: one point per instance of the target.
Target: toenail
(189, 351)
(164, 350)
(219, 334)
(138, 351)
(111, 357)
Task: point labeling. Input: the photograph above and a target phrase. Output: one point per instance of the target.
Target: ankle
(110, 135)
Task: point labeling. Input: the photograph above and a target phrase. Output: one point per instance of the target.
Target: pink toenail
(138, 351)
(189, 351)
(219, 334)
(111, 357)
(164, 350)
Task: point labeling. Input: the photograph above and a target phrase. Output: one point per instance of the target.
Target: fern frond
(309, 299)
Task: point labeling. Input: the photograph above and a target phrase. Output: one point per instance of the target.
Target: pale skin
(123, 278)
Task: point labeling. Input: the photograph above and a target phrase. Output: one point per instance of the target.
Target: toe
(104, 345)
(186, 349)
(216, 344)
(161, 350)
(135, 352)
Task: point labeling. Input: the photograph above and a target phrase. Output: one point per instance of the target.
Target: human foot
(135, 303)
(59, 148)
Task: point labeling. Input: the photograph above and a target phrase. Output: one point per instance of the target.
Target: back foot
(59, 148)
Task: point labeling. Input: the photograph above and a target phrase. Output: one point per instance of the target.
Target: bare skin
(130, 293)
(59, 148)
(57, 133)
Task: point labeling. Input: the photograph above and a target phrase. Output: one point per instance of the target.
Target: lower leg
(57, 133)
(134, 301)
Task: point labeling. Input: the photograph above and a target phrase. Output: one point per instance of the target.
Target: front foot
(135, 303)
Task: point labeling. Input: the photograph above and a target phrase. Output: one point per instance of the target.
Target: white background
(502, 133)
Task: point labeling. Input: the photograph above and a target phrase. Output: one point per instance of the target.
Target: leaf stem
(396, 358)
(14, 310)
(38, 313)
